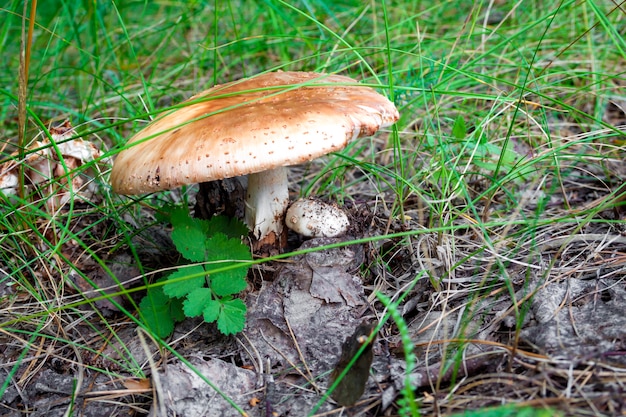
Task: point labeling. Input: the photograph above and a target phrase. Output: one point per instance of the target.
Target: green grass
(507, 137)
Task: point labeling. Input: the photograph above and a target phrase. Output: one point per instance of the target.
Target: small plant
(205, 287)
(408, 405)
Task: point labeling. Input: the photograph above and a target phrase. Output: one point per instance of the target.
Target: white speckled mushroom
(253, 127)
(314, 218)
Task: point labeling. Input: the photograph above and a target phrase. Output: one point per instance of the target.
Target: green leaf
(176, 309)
(212, 311)
(181, 282)
(222, 249)
(232, 318)
(177, 214)
(229, 313)
(459, 130)
(154, 310)
(230, 226)
(196, 302)
(189, 235)
(164, 213)
(509, 156)
(488, 154)
(224, 252)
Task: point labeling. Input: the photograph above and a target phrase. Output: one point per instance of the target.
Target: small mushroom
(58, 171)
(314, 218)
(253, 127)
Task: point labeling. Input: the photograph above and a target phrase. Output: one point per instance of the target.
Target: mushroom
(254, 127)
(58, 172)
(314, 218)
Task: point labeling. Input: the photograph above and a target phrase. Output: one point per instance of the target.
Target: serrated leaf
(190, 242)
(183, 281)
(224, 252)
(189, 235)
(164, 214)
(196, 302)
(230, 226)
(154, 310)
(232, 318)
(212, 311)
(226, 283)
(178, 214)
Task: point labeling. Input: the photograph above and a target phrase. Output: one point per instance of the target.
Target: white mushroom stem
(267, 199)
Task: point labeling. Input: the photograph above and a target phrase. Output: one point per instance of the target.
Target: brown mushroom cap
(250, 126)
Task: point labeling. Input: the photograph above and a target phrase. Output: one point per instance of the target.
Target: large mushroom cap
(248, 126)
